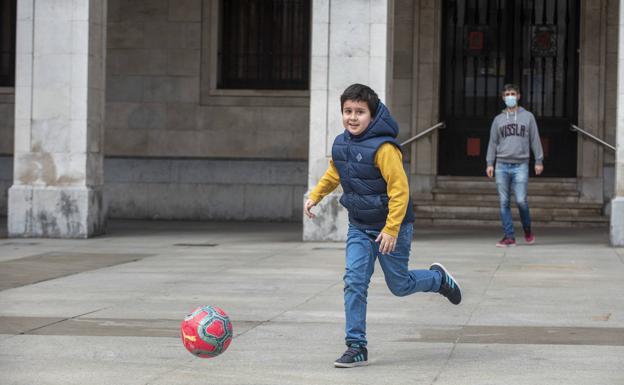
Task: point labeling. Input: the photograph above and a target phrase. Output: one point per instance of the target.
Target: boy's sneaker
(506, 242)
(356, 355)
(529, 237)
(448, 286)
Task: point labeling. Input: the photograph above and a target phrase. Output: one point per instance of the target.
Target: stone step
(487, 214)
(537, 183)
(473, 201)
(492, 201)
(428, 222)
(561, 183)
(537, 178)
(491, 190)
(439, 211)
(493, 197)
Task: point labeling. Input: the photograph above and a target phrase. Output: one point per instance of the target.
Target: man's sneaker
(506, 242)
(448, 286)
(529, 237)
(356, 355)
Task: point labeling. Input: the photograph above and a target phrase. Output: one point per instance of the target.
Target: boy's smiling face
(356, 116)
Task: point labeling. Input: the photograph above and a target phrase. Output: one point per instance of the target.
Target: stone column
(59, 113)
(617, 204)
(351, 43)
(592, 86)
(425, 97)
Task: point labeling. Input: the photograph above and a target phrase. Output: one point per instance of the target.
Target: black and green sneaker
(448, 286)
(356, 355)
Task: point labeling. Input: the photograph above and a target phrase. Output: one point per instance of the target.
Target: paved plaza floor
(107, 310)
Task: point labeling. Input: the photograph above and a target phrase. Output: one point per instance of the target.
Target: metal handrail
(423, 133)
(577, 129)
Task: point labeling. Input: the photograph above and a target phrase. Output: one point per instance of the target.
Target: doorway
(488, 43)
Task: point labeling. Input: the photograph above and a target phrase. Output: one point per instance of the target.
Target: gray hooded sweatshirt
(511, 136)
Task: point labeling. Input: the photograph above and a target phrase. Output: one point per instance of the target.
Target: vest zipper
(350, 197)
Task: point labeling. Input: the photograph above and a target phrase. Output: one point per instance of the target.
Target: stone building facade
(118, 108)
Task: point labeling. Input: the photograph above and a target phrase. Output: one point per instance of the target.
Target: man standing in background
(513, 135)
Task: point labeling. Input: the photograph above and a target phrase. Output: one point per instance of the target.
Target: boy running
(367, 163)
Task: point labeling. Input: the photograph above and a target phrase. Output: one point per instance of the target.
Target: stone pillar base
(591, 190)
(421, 185)
(78, 212)
(331, 222)
(617, 221)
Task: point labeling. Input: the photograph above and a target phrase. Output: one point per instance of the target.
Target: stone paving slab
(544, 314)
(84, 326)
(533, 364)
(37, 268)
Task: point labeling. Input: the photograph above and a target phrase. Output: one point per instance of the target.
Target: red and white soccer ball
(206, 332)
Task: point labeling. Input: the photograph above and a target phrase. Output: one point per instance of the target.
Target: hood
(512, 116)
(382, 125)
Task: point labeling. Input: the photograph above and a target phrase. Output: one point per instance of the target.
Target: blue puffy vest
(365, 190)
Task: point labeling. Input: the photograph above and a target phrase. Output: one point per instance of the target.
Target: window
(264, 44)
(7, 43)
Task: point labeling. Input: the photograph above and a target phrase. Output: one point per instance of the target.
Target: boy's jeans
(513, 176)
(361, 252)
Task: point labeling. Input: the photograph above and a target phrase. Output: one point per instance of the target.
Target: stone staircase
(473, 201)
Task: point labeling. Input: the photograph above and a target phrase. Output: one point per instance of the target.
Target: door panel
(488, 43)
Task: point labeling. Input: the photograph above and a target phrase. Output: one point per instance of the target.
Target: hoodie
(512, 136)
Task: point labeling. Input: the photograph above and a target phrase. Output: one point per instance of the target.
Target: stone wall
(204, 189)
(155, 84)
(162, 105)
(164, 111)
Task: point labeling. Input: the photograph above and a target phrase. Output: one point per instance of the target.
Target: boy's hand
(307, 206)
(539, 169)
(386, 243)
(489, 171)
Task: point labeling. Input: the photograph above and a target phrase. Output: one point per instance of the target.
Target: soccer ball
(206, 332)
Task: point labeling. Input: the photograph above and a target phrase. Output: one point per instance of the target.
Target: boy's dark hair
(510, 87)
(360, 93)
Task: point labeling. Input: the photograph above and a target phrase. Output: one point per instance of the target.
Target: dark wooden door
(488, 43)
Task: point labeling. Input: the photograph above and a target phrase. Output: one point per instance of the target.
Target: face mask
(510, 101)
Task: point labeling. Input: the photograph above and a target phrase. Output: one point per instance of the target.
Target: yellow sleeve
(327, 184)
(389, 160)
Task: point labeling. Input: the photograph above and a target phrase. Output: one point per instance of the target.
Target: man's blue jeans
(513, 177)
(361, 253)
